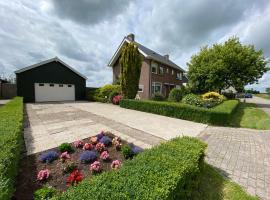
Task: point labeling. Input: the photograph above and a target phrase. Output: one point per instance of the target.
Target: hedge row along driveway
(167, 171)
(11, 141)
(219, 115)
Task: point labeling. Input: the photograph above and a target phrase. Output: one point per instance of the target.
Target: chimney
(131, 37)
(166, 56)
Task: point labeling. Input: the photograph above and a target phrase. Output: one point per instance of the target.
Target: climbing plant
(130, 62)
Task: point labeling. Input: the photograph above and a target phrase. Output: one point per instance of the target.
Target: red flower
(74, 178)
(116, 99)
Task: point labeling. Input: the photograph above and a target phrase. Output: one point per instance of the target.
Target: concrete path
(157, 125)
(242, 155)
(264, 104)
(4, 101)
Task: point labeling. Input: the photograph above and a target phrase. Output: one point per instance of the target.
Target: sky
(86, 33)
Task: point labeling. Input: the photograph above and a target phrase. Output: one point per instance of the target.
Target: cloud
(85, 34)
(89, 12)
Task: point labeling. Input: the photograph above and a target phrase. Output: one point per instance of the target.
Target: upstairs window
(161, 70)
(179, 76)
(154, 68)
(172, 72)
(167, 70)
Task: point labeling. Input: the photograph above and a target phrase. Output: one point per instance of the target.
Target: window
(51, 85)
(140, 88)
(172, 72)
(167, 70)
(161, 70)
(177, 86)
(60, 85)
(179, 76)
(69, 85)
(156, 87)
(154, 67)
(41, 84)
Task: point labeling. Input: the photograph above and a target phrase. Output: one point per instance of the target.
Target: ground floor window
(140, 88)
(156, 87)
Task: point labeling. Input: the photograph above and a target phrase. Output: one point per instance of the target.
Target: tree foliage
(224, 65)
(130, 62)
(268, 90)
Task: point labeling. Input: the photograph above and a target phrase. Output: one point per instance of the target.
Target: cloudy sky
(85, 33)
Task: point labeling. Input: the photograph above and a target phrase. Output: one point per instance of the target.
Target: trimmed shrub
(193, 99)
(168, 171)
(45, 193)
(11, 142)
(219, 115)
(91, 93)
(88, 157)
(158, 97)
(66, 147)
(176, 95)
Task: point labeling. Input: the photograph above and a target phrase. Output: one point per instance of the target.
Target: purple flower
(88, 157)
(48, 156)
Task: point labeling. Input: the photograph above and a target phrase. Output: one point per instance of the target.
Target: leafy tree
(130, 62)
(268, 90)
(224, 65)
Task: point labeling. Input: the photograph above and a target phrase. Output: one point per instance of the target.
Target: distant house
(158, 73)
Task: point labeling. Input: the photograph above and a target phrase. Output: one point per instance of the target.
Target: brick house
(158, 73)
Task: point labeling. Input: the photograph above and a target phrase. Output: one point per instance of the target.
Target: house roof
(146, 52)
(55, 59)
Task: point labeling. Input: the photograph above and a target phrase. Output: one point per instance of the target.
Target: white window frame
(172, 72)
(179, 75)
(154, 84)
(154, 65)
(141, 87)
(167, 70)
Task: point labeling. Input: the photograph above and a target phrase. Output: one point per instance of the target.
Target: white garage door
(54, 92)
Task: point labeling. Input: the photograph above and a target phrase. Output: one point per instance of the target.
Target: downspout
(150, 80)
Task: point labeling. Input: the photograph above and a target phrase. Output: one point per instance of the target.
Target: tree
(224, 65)
(268, 90)
(130, 62)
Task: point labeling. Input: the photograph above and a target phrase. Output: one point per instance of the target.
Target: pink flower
(118, 145)
(100, 147)
(43, 175)
(95, 166)
(87, 146)
(64, 156)
(104, 155)
(93, 140)
(78, 144)
(116, 164)
(116, 140)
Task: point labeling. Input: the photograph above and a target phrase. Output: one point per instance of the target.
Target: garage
(50, 80)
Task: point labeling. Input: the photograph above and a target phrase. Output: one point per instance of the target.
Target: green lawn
(248, 115)
(265, 96)
(213, 186)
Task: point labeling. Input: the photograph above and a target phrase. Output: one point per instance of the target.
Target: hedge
(167, 171)
(219, 115)
(11, 140)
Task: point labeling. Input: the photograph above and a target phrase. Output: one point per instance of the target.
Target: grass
(248, 115)
(213, 186)
(265, 96)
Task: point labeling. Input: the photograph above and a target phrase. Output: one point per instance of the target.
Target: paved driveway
(51, 124)
(242, 155)
(264, 104)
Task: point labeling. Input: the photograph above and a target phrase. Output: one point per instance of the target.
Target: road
(264, 104)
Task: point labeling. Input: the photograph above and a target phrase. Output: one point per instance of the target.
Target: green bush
(176, 95)
(219, 115)
(45, 193)
(158, 97)
(193, 99)
(167, 171)
(11, 141)
(127, 151)
(65, 147)
(91, 93)
(106, 90)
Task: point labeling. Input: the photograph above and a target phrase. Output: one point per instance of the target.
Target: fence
(8, 90)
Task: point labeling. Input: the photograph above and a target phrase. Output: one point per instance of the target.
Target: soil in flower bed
(27, 182)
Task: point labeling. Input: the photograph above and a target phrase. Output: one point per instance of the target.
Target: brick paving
(242, 155)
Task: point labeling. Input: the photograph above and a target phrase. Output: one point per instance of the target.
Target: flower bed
(69, 164)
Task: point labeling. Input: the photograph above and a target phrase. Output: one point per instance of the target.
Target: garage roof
(55, 59)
